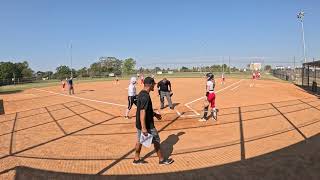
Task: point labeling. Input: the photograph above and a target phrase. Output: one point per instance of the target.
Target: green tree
(10, 70)
(184, 69)
(22, 70)
(26, 73)
(157, 69)
(62, 72)
(128, 65)
(224, 68)
(83, 72)
(7, 70)
(110, 65)
(95, 69)
(267, 68)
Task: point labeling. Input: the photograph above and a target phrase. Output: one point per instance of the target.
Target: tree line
(10, 70)
(102, 68)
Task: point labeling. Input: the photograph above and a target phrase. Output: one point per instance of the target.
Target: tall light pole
(222, 64)
(71, 58)
(300, 17)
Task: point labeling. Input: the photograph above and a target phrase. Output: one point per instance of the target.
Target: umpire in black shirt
(164, 87)
(145, 123)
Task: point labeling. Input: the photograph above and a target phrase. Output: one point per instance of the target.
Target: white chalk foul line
(180, 115)
(86, 99)
(30, 94)
(235, 88)
(187, 104)
(192, 109)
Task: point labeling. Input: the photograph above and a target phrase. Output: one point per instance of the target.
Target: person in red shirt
(63, 83)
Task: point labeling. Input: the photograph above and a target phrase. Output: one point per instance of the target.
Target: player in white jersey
(210, 98)
(223, 79)
(132, 95)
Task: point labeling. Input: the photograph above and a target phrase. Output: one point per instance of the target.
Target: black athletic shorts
(132, 100)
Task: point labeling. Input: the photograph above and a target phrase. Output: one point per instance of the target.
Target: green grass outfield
(45, 83)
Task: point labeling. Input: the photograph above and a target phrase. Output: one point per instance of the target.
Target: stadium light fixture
(300, 17)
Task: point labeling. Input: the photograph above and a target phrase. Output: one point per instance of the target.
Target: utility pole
(229, 66)
(222, 64)
(71, 59)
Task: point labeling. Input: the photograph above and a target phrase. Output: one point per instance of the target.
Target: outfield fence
(14, 81)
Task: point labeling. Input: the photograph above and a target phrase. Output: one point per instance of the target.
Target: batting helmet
(209, 76)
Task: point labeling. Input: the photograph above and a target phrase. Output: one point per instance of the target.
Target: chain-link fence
(311, 76)
(292, 75)
(307, 77)
(14, 81)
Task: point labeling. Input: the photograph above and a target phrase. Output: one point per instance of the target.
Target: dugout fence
(307, 76)
(292, 75)
(311, 76)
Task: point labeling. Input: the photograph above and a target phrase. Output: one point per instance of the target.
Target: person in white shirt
(223, 79)
(210, 98)
(132, 95)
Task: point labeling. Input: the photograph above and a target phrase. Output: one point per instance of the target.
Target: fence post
(315, 71)
(1, 107)
(308, 72)
(302, 75)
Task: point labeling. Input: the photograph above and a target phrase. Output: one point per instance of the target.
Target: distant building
(255, 66)
(279, 67)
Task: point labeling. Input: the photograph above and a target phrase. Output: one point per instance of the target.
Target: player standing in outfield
(209, 99)
(145, 123)
(70, 86)
(222, 79)
(132, 97)
(254, 77)
(117, 80)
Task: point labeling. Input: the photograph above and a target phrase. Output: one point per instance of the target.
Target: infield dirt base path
(86, 133)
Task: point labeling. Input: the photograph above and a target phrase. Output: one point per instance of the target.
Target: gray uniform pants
(167, 95)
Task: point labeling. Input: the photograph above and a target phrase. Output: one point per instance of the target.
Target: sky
(156, 32)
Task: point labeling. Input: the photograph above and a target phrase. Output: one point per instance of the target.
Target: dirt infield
(86, 133)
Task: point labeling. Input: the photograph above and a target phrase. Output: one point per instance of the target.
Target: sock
(205, 111)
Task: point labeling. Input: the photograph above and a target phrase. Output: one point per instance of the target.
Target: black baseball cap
(148, 80)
